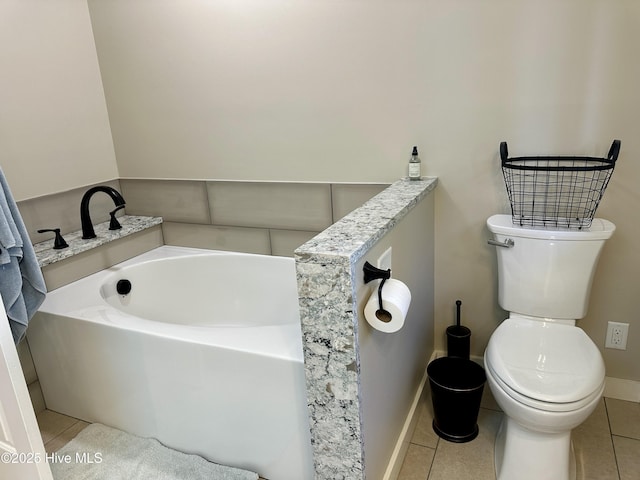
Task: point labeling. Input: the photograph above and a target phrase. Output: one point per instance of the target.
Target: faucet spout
(85, 218)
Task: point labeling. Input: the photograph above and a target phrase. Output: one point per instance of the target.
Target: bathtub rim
(278, 341)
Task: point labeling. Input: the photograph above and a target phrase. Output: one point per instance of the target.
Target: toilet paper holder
(373, 273)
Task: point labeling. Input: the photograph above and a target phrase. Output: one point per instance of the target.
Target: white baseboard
(622, 389)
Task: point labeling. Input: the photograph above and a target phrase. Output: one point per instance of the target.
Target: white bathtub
(204, 354)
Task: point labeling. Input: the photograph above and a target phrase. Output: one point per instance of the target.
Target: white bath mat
(103, 453)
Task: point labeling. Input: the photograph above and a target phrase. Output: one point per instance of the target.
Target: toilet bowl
(544, 371)
(547, 378)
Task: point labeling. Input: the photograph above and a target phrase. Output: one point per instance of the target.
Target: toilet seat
(546, 365)
(545, 406)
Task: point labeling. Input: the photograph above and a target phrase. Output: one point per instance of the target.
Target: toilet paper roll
(396, 298)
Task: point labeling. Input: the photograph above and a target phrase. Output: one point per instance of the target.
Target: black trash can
(456, 391)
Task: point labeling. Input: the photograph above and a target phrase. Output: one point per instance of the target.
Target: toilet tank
(547, 273)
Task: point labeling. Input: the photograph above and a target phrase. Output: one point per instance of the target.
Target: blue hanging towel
(21, 282)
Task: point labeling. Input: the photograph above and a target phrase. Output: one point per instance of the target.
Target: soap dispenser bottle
(414, 165)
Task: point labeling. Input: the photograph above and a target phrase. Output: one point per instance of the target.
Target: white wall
(54, 128)
(254, 89)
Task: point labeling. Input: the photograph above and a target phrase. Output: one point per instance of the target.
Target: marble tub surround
(329, 290)
(62, 210)
(358, 231)
(84, 257)
(271, 218)
(130, 224)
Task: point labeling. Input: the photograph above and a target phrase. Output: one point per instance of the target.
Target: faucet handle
(113, 223)
(58, 242)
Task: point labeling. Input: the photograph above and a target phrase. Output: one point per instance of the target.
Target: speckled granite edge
(325, 268)
(130, 224)
(331, 366)
(356, 232)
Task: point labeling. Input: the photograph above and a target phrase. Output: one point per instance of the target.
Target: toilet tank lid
(549, 362)
(600, 229)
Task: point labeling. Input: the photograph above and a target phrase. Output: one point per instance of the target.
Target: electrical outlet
(617, 335)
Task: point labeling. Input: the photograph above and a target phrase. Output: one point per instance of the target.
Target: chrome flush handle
(508, 243)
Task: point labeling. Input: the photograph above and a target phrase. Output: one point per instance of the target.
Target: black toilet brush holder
(458, 337)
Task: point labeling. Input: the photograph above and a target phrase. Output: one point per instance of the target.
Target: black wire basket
(556, 192)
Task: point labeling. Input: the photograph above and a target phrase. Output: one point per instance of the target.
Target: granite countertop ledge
(360, 229)
(130, 224)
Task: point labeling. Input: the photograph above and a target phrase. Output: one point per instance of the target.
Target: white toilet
(544, 372)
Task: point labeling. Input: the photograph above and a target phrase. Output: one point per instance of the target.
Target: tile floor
(607, 445)
(57, 430)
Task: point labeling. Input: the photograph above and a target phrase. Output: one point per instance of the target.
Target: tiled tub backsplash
(256, 217)
(272, 218)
